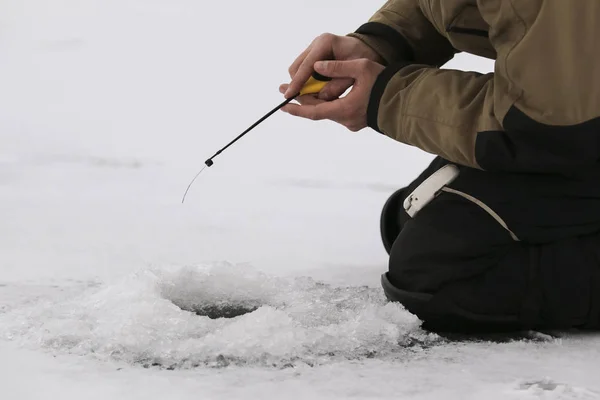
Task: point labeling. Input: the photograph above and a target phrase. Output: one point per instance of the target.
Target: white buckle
(429, 189)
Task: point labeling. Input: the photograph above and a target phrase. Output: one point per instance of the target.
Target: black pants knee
(458, 269)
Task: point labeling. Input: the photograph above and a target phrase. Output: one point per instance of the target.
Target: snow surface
(107, 110)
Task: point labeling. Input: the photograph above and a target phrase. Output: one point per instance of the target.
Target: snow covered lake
(107, 110)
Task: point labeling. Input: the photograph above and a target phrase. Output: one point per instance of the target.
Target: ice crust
(158, 317)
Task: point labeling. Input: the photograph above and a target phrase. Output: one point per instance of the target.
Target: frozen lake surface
(108, 283)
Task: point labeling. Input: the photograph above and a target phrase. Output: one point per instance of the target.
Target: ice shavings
(169, 317)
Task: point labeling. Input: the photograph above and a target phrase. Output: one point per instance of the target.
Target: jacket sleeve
(538, 112)
(400, 31)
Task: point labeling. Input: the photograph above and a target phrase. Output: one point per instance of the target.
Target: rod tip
(209, 163)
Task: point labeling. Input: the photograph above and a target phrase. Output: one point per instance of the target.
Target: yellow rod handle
(315, 84)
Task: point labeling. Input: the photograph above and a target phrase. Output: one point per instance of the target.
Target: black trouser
(458, 269)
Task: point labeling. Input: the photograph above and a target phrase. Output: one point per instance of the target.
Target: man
(502, 231)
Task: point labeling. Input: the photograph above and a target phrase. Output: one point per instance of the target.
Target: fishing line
(312, 86)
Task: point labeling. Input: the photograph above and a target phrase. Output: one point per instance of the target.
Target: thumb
(341, 69)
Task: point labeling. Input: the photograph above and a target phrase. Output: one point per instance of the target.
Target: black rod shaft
(209, 162)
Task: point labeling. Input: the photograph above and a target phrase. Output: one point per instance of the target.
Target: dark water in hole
(214, 311)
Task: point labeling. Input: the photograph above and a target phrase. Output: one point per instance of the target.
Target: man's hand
(327, 47)
(351, 110)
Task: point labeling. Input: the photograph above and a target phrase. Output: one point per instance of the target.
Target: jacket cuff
(377, 93)
(386, 41)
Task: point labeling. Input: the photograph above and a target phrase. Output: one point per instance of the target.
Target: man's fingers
(298, 61)
(304, 72)
(309, 112)
(321, 49)
(283, 88)
(309, 100)
(335, 88)
(342, 69)
(333, 110)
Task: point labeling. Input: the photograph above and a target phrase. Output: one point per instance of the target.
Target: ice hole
(216, 311)
(222, 292)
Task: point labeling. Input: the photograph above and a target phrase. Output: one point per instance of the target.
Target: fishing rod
(314, 85)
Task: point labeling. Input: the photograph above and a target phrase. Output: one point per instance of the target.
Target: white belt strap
(485, 207)
(430, 189)
(435, 184)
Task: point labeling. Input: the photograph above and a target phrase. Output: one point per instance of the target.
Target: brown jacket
(538, 112)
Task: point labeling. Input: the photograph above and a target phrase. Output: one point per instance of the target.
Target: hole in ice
(216, 311)
(220, 315)
(215, 294)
